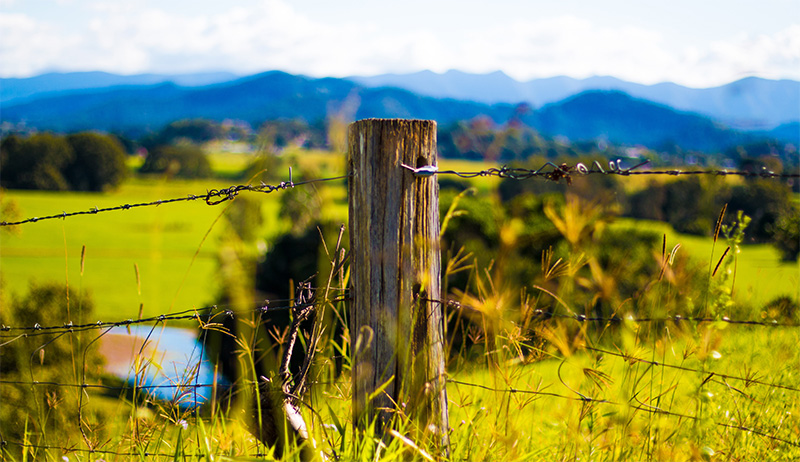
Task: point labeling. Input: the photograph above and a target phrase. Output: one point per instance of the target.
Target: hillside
(613, 116)
(252, 99)
(54, 82)
(750, 103)
(622, 119)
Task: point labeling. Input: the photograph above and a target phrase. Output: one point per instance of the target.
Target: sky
(697, 43)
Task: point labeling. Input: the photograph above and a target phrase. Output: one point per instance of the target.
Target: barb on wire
(553, 172)
(204, 314)
(583, 398)
(541, 314)
(548, 171)
(211, 197)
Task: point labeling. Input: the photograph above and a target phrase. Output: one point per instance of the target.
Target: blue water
(176, 368)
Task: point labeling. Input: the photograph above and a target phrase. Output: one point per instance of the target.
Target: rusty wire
(548, 171)
(553, 172)
(211, 197)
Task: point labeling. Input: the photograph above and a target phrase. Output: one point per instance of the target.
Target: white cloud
(769, 55)
(272, 34)
(577, 47)
(30, 46)
(568, 45)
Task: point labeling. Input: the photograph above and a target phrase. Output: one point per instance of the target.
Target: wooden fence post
(396, 320)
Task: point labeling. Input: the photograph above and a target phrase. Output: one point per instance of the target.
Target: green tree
(194, 130)
(36, 162)
(786, 233)
(762, 200)
(99, 162)
(688, 204)
(183, 161)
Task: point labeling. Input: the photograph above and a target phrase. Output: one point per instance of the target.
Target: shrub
(47, 411)
(786, 233)
(762, 200)
(36, 162)
(80, 162)
(183, 161)
(99, 162)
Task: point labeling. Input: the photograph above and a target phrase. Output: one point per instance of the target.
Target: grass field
(162, 242)
(761, 276)
(175, 258)
(585, 405)
(705, 392)
(638, 410)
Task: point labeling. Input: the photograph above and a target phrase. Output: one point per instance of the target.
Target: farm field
(177, 261)
(760, 274)
(585, 405)
(610, 408)
(562, 390)
(175, 258)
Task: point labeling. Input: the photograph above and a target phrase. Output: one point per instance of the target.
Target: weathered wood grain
(396, 319)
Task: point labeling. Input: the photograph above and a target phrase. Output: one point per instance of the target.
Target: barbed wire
(548, 171)
(99, 386)
(168, 455)
(655, 410)
(626, 356)
(529, 392)
(540, 314)
(211, 197)
(553, 172)
(268, 306)
(510, 390)
(213, 311)
(640, 406)
(710, 373)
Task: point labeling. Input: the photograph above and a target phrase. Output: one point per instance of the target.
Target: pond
(169, 363)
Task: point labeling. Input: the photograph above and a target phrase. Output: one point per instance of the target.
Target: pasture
(175, 246)
(558, 390)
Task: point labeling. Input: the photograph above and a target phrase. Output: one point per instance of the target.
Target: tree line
(79, 162)
(94, 162)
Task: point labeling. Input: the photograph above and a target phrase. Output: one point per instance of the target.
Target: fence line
(542, 315)
(209, 317)
(553, 172)
(511, 390)
(581, 398)
(548, 171)
(655, 410)
(747, 380)
(182, 386)
(641, 407)
(222, 195)
(194, 314)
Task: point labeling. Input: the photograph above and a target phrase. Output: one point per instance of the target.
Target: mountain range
(55, 82)
(135, 104)
(749, 103)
